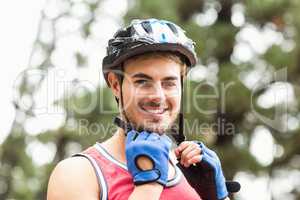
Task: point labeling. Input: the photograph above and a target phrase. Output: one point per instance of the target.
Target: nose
(158, 94)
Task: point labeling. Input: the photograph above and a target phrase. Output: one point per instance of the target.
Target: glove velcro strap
(147, 176)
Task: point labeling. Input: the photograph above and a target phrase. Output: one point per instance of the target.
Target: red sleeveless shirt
(116, 182)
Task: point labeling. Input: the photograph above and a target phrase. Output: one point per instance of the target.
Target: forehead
(155, 67)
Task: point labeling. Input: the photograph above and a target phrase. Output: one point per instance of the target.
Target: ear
(114, 84)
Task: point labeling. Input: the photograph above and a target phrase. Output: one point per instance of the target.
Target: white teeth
(155, 111)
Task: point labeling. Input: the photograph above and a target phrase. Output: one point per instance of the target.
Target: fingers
(194, 160)
(181, 147)
(189, 150)
(190, 156)
(189, 153)
(177, 153)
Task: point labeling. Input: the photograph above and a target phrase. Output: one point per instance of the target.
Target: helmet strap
(121, 78)
(178, 132)
(180, 135)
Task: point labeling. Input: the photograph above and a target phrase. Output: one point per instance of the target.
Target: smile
(157, 111)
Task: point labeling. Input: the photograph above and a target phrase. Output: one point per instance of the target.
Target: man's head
(151, 89)
(144, 66)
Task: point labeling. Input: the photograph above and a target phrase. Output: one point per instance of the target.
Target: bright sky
(19, 22)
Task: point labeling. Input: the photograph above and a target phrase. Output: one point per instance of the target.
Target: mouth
(154, 110)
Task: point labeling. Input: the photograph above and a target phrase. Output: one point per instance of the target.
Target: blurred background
(55, 102)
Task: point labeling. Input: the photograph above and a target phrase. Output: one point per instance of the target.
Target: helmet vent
(147, 27)
(173, 28)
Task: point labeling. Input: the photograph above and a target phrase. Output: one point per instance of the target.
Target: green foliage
(21, 177)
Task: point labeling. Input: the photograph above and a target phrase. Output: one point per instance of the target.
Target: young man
(144, 67)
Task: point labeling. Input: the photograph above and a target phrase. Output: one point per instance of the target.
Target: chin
(152, 124)
(157, 128)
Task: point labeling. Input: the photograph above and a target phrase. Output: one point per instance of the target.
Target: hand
(147, 146)
(206, 175)
(188, 152)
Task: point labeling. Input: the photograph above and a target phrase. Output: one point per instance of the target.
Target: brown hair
(176, 57)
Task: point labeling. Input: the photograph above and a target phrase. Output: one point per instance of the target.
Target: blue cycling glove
(152, 146)
(211, 160)
(207, 178)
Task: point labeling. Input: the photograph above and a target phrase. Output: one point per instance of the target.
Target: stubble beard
(150, 125)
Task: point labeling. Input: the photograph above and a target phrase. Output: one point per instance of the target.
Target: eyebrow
(145, 76)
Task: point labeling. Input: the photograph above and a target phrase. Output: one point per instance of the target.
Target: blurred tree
(240, 44)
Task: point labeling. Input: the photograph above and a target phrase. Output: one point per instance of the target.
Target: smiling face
(151, 92)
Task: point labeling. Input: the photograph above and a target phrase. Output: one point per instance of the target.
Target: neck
(118, 142)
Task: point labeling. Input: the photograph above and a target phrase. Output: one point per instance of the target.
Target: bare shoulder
(73, 178)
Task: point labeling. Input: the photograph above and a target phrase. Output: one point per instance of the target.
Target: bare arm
(73, 178)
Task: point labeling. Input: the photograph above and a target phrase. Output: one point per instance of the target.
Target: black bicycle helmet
(148, 35)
